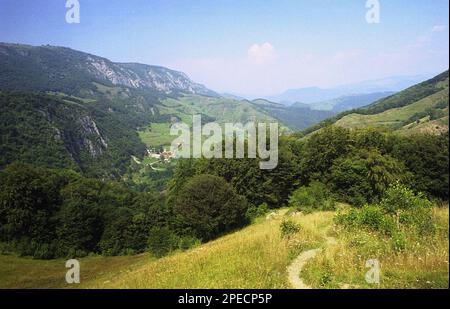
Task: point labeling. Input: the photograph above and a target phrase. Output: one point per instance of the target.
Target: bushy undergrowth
(163, 240)
(400, 214)
(254, 212)
(404, 231)
(289, 228)
(311, 198)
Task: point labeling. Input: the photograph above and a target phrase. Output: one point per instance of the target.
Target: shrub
(254, 212)
(399, 242)
(188, 242)
(42, 251)
(316, 196)
(400, 198)
(400, 211)
(289, 228)
(369, 217)
(372, 217)
(161, 241)
(410, 210)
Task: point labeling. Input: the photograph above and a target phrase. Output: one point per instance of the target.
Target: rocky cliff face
(136, 75)
(58, 68)
(48, 130)
(81, 136)
(92, 140)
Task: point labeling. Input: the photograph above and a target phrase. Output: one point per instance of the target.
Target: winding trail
(136, 160)
(300, 261)
(156, 168)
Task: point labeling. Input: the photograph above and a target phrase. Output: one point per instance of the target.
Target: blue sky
(246, 46)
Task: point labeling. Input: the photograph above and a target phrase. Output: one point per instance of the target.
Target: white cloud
(262, 54)
(438, 28)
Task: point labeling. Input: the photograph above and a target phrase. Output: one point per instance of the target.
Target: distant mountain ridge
(297, 117)
(315, 94)
(51, 68)
(348, 102)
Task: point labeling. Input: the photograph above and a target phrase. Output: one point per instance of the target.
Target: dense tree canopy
(54, 213)
(207, 206)
(356, 165)
(364, 176)
(58, 213)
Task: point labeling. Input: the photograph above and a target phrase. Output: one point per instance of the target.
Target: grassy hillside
(403, 118)
(20, 272)
(255, 257)
(423, 264)
(421, 108)
(221, 110)
(156, 134)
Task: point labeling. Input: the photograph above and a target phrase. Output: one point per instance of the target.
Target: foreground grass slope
(255, 257)
(423, 264)
(20, 272)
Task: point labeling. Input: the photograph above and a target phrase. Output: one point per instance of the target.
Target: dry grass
(255, 257)
(19, 272)
(424, 264)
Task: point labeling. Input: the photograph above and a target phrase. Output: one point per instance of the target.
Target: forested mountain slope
(47, 130)
(52, 68)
